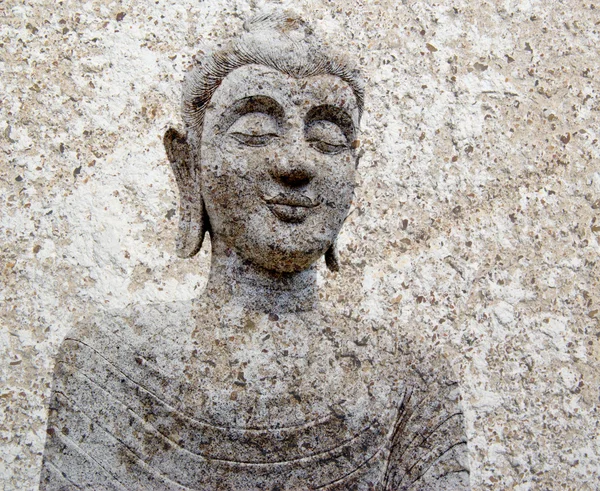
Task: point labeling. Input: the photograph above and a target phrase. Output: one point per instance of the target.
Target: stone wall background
(476, 225)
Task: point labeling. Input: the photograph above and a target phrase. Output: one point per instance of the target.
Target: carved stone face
(278, 164)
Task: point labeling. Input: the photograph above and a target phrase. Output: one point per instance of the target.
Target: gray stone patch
(257, 384)
(473, 231)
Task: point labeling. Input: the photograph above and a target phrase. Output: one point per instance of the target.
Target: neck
(233, 280)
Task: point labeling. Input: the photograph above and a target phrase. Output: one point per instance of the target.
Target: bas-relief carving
(255, 385)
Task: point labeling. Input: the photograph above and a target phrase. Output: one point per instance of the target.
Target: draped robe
(178, 397)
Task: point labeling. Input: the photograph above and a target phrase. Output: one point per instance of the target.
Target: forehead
(289, 92)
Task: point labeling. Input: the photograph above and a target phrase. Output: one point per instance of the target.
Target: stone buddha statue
(255, 384)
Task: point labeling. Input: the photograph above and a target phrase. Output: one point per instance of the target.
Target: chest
(274, 407)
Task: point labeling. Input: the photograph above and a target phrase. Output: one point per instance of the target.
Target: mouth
(291, 209)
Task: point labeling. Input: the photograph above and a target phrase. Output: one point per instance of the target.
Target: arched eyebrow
(251, 104)
(335, 115)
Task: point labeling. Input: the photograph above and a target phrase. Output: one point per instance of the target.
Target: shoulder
(134, 325)
(429, 448)
(116, 354)
(125, 338)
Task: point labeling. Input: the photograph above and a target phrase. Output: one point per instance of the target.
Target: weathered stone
(257, 384)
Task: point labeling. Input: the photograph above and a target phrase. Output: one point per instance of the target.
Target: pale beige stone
(474, 228)
(256, 384)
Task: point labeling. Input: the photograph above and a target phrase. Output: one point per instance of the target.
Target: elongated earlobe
(332, 258)
(193, 222)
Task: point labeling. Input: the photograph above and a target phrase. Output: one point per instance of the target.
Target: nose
(292, 168)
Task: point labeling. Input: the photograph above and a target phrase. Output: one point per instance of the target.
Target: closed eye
(326, 137)
(254, 140)
(326, 147)
(255, 129)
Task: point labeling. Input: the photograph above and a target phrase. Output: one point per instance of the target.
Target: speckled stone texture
(474, 228)
(257, 384)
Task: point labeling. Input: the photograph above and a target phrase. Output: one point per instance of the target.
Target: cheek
(231, 174)
(225, 161)
(338, 176)
(231, 177)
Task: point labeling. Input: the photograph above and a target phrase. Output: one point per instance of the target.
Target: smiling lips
(291, 209)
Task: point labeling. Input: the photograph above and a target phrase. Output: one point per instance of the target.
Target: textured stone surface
(474, 226)
(257, 384)
(248, 402)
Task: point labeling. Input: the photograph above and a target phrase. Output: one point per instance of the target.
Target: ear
(332, 258)
(361, 152)
(193, 222)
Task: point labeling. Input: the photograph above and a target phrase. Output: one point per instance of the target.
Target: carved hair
(280, 40)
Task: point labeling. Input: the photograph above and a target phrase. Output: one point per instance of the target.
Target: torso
(177, 396)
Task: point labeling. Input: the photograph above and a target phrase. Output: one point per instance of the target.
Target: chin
(286, 260)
